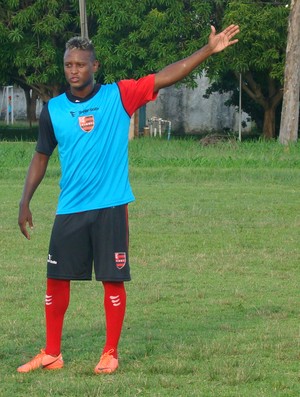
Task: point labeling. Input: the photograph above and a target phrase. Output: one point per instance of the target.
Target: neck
(83, 92)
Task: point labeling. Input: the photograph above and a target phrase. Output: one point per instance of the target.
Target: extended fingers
(231, 31)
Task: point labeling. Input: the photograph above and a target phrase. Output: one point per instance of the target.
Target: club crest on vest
(86, 123)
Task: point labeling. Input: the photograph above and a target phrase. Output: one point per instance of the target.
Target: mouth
(74, 79)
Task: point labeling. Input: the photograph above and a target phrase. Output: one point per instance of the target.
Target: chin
(77, 86)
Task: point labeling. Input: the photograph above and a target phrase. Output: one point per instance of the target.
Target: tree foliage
(259, 57)
(32, 37)
(138, 37)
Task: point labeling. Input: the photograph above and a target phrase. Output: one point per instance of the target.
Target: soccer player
(89, 124)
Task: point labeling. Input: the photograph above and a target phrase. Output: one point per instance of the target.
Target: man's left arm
(177, 71)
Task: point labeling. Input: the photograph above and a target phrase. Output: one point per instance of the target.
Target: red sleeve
(136, 93)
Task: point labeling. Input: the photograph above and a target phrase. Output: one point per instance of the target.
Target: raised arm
(34, 177)
(179, 70)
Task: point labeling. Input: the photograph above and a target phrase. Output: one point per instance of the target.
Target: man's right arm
(35, 175)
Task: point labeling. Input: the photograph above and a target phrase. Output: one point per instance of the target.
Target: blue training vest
(92, 141)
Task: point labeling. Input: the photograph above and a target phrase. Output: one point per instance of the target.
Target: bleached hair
(81, 43)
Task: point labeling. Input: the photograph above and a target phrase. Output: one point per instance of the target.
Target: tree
(227, 83)
(133, 38)
(290, 108)
(259, 56)
(138, 37)
(32, 36)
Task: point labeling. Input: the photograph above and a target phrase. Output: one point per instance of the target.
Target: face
(79, 71)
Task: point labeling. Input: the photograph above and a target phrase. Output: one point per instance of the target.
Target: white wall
(189, 112)
(19, 102)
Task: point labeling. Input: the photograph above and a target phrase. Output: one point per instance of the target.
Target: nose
(74, 70)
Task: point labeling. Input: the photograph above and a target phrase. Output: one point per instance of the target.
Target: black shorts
(98, 237)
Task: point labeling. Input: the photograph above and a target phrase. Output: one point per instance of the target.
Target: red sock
(114, 305)
(56, 304)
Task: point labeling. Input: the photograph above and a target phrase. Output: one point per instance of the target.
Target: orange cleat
(43, 361)
(107, 364)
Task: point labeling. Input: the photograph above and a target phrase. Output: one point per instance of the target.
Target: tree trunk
(269, 122)
(268, 102)
(33, 102)
(31, 99)
(290, 108)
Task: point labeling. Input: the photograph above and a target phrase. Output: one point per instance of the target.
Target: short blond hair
(81, 43)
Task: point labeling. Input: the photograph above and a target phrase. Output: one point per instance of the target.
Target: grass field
(213, 308)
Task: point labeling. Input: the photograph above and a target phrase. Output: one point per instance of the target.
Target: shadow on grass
(16, 134)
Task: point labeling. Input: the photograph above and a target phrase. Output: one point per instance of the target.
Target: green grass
(213, 308)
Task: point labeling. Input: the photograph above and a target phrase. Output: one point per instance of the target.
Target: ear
(95, 66)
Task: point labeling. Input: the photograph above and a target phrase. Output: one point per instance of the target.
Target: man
(90, 125)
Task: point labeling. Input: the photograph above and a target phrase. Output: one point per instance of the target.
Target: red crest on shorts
(120, 259)
(86, 123)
